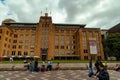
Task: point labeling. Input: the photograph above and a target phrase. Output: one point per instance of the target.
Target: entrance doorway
(44, 52)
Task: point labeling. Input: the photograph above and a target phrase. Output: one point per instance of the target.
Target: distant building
(48, 40)
(104, 33)
(115, 29)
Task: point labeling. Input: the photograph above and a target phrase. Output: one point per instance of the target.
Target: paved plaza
(53, 75)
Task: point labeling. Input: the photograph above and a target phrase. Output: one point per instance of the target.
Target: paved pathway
(53, 75)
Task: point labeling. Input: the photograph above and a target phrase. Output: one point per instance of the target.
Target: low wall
(63, 66)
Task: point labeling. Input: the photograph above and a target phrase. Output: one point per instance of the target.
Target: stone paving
(53, 75)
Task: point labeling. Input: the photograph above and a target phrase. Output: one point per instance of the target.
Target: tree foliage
(112, 45)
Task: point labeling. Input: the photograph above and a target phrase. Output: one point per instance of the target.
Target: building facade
(47, 40)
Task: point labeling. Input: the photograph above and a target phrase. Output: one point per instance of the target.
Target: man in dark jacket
(97, 63)
(103, 74)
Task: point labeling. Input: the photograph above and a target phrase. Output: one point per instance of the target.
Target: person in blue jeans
(31, 67)
(90, 69)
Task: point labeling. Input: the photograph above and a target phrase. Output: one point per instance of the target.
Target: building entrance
(44, 52)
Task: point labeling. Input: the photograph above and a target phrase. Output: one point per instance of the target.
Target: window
(10, 34)
(56, 37)
(62, 42)
(13, 52)
(15, 41)
(84, 34)
(96, 33)
(73, 37)
(6, 39)
(0, 30)
(84, 44)
(20, 41)
(33, 30)
(28, 30)
(73, 52)
(56, 42)
(25, 53)
(68, 37)
(27, 35)
(26, 47)
(62, 52)
(15, 30)
(14, 46)
(15, 35)
(56, 52)
(56, 47)
(32, 46)
(5, 45)
(62, 37)
(62, 47)
(45, 25)
(68, 52)
(62, 31)
(85, 51)
(20, 46)
(68, 42)
(22, 30)
(31, 53)
(67, 47)
(33, 35)
(19, 53)
(67, 31)
(3, 52)
(7, 32)
(26, 41)
(90, 34)
(21, 35)
(33, 41)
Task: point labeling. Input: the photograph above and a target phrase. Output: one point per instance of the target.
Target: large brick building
(48, 40)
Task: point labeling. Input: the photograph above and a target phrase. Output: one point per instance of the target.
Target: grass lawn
(55, 61)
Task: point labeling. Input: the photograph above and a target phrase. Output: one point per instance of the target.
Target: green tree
(112, 45)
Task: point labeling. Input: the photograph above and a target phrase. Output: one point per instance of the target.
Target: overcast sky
(94, 13)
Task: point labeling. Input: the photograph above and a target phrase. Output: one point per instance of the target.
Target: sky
(102, 14)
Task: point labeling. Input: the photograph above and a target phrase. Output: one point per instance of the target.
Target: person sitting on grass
(117, 67)
(58, 66)
(49, 66)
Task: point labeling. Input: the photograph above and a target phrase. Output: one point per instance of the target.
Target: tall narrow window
(0, 30)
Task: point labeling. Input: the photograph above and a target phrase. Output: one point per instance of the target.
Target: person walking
(90, 69)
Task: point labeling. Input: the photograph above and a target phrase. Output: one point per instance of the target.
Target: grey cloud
(76, 7)
(71, 11)
(103, 19)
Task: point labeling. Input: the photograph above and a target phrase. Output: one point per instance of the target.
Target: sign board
(93, 46)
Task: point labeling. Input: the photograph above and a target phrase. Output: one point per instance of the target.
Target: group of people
(101, 70)
(33, 66)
